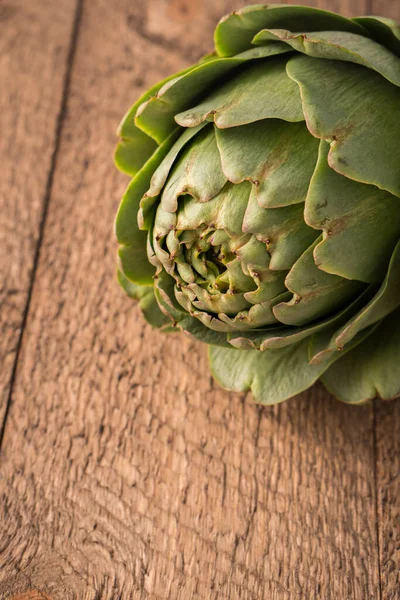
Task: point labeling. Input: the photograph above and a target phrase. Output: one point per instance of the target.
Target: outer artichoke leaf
(126, 225)
(282, 230)
(277, 156)
(196, 330)
(272, 376)
(316, 294)
(272, 49)
(385, 301)
(127, 128)
(233, 103)
(371, 369)
(356, 110)
(197, 172)
(383, 30)
(132, 152)
(285, 336)
(156, 115)
(135, 146)
(319, 342)
(164, 289)
(235, 32)
(339, 45)
(361, 223)
(147, 302)
(134, 262)
(253, 339)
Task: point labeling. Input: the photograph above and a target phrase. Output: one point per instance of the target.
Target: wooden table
(125, 472)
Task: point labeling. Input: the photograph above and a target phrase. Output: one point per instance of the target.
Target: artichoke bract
(263, 217)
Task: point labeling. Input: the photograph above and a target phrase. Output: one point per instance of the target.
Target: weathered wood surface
(388, 497)
(125, 473)
(387, 432)
(34, 44)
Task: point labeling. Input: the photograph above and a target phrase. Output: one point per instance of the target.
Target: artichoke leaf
(371, 369)
(126, 223)
(272, 376)
(272, 49)
(132, 152)
(233, 103)
(339, 45)
(316, 294)
(161, 173)
(279, 337)
(134, 262)
(225, 211)
(383, 30)
(150, 199)
(197, 172)
(155, 115)
(357, 112)
(361, 223)
(386, 300)
(283, 231)
(165, 291)
(235, 31)
(135, 146)
(196, 330)
(259, 315)
(229, 304)
(276, 156)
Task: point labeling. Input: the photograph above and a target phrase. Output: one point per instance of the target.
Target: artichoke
(263, 217)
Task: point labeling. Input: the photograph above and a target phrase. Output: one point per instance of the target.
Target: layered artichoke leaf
(381, 304)
(383, 30)
(279, 374)
(371, 369)
(156, 115)
(338, 45)
(263, 217)
(272, 376)
(236, 31)
(360, 223)
(151, 119)
(363, 136)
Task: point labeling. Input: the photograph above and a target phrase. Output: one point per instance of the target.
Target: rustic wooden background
(125, 472)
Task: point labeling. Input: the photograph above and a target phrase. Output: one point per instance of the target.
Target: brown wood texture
(124, 471)
(387, 431)
(387, 8)
(34, 43)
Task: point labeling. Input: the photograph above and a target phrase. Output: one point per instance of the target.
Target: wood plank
(34, 43)
(125, 472)
(388, 450)
(388, 491)
(386, 8)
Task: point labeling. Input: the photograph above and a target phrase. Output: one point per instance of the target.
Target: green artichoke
(263, 217)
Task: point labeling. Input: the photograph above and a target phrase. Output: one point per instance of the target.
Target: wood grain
(125, 473)
(387, 431)
(34, 43)
(388, 489)
(386, 8)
